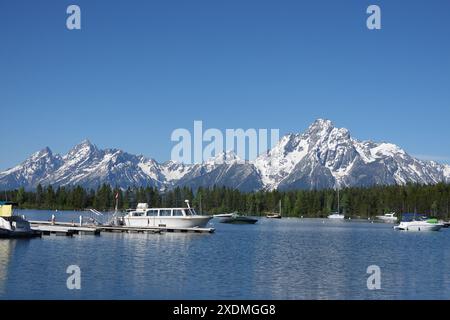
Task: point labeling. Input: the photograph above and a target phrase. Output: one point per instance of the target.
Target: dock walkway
(70, 229)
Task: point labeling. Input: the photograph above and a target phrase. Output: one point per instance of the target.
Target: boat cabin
(142, 210)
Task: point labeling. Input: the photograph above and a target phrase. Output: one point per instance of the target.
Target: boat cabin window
(165, 213)
(137, 213)
(178, 213)
(152, 213)
(191, 212)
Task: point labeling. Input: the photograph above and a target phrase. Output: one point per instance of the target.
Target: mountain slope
(322, 157)
(326, 157)
(30, 172)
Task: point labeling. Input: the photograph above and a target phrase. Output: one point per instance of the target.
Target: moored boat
(238, 219)
(388, 217)
(414, 222)
(337, 215)
(145, 217)
(13, 226)
(274, 215)
(223, 215)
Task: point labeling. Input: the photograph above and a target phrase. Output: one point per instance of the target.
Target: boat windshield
(137, 213)
(407, 217)
(190, 212)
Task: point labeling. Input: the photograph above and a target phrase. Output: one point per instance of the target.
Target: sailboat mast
(339, 207)
(117, 203)
(280, 207)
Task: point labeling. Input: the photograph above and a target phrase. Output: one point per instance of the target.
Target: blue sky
(140, 69)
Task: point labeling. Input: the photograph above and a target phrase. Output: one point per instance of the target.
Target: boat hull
(16, 227)
(336, 217)
(418, 226)
(167, 222)
(273, 216)
(386, 219)
(8, 234)
(239, 220)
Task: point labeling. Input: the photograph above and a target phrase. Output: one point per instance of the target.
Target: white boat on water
(412, 222)
(274, 215)
(388, 217)
(13, 226)
(336, 216)
(145, 217)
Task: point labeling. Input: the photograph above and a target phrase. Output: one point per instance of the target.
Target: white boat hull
(387, 220)
(419, 226)
(336, 217)
(167, 222)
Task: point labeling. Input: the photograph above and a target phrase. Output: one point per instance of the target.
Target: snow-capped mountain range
(322, 157)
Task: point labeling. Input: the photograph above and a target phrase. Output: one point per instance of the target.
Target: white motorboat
(388, 217)
(412, 222)
(13, 226)
(145, 217)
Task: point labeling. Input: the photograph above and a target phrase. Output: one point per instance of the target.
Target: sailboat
(337, 215)
(274, 215)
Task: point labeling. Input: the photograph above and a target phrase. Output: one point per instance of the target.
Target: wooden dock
(70, 229)
(66, 229)
(155, 229)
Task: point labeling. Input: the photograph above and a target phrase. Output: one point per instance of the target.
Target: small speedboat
(388, 217)
(13, 226)
(223, 215)
(238, 219)
(273, 216)
(413, 222)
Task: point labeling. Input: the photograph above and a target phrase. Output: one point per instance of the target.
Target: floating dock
(155, 229)
(46, 228)
(70, 229)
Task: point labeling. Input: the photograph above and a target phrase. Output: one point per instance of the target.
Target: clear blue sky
(139, 69)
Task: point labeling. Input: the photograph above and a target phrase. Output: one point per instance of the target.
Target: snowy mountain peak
(82, 150)
(46, 152)
(320, 127)
(228, 157)
(324, 156)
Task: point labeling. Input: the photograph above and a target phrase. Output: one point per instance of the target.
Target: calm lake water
(274, 259)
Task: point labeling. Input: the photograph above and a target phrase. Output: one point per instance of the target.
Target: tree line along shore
(433, 200)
